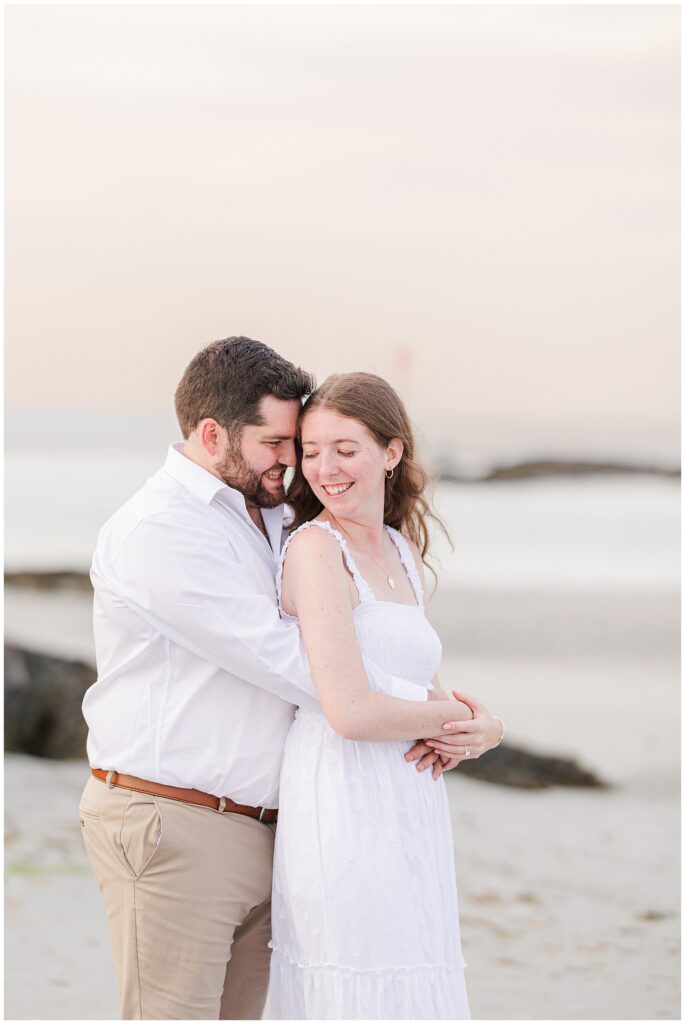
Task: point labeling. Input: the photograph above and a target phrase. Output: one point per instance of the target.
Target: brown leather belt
(186, 796)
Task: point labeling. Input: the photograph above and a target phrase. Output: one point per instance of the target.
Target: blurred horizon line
(472, 451)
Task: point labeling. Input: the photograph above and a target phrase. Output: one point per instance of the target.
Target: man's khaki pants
(187, 893)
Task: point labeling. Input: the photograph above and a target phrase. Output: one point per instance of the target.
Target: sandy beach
(569, 898)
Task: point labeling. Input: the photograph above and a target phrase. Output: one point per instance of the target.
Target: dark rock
(513, 766)
(43, 697)
(570, 467)
(540, 468)
(43, 717)
(66, 579)
(654, 915)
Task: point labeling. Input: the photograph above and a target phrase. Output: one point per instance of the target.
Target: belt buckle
(262, 812)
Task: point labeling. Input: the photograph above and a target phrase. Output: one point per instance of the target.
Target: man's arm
(188, 585)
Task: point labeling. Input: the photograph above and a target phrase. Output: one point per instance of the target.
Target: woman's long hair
(372, 401)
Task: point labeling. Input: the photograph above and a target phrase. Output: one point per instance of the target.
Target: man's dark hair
(227, 380)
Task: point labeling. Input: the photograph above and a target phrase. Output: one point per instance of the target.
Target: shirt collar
(200, 482)
(205, 486)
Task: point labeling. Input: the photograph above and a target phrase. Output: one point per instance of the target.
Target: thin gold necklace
(391, 582)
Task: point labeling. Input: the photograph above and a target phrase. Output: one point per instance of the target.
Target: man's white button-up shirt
(198, 676)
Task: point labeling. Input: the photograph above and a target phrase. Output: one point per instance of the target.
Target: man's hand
(474, 737)
(429, 758)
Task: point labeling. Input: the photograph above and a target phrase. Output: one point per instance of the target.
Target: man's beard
(237, 473)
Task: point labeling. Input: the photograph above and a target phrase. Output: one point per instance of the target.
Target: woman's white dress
(365, 920)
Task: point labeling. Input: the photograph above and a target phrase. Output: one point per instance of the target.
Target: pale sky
(480, 203)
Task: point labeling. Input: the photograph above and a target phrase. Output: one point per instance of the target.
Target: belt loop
(222, 805)
(110, 784)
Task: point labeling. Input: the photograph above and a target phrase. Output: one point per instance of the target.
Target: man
(197, 682)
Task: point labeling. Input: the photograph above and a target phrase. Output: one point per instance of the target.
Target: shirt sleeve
(188, 585)
(394, 686)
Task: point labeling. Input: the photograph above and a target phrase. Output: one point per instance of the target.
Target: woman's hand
(424, 755)
(474, 736)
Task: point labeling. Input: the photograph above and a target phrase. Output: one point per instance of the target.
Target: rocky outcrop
(569, 467)
(43, 697)
(50, 580)
(545, 468)
(43, 717)
(513, 766)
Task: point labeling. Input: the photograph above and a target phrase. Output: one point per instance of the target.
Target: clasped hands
(477, 734)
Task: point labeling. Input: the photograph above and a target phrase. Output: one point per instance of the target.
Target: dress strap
(408, 561)
(365, 592)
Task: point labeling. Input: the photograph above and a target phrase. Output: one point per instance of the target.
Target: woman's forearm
(376, 716)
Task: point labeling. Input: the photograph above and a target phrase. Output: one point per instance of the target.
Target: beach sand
(569, 898)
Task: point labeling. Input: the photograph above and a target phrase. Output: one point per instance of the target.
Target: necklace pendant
(391, 583)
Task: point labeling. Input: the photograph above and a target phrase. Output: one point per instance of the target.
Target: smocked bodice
(397, 637)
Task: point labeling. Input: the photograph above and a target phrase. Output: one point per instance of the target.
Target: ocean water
(576, 533)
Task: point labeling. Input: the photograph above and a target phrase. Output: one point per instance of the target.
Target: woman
(364, 912)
